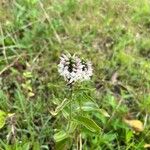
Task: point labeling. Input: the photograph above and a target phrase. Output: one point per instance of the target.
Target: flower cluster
(74, 69)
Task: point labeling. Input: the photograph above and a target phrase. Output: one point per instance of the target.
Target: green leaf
(104, 112)
(62, 145)
(27, 74)
(88, 123)
(36, 146)
(60, 107)
(3, 116)
(26, 146)
(65, 113)
(72, 127)
(90, 106)
(129, 136)
(32, 1)
(61, 135)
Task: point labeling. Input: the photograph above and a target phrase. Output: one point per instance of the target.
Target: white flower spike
(74, 69)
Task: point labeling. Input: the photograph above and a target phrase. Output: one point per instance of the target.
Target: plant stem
(70, 113)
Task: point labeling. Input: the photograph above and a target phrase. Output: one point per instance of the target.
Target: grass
(113, 34)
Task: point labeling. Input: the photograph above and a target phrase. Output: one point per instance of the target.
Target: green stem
(70, 110)
(70, 113)
(80, 106)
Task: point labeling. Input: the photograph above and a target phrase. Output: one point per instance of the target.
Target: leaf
(90, 106)
(88, 123)
(62, 145)
(32, 1)
(65, 113)
(72, 127)
(10, 114)
(147, 146)
(27, 74)
(36, 146)
(129, 136)
(59, 107)
(3, 116)
(26, 86)
(104, 112)
(61, 135)
(135, 124)
(31, 94)
(26, 146)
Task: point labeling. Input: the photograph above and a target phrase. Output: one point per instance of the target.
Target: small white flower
(74, 69)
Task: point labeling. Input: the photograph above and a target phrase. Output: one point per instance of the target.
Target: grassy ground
(113, 34)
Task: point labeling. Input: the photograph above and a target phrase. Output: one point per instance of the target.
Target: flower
(74, 69)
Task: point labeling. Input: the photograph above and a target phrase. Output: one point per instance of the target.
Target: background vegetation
(113, 34)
